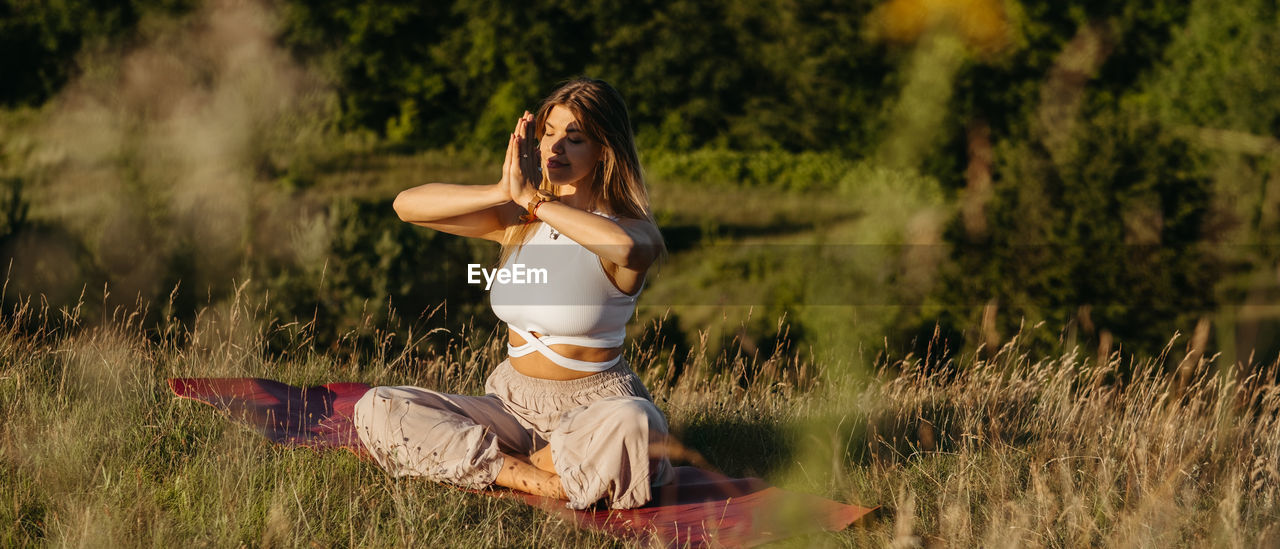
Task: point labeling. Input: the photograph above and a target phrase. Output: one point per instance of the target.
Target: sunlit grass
(1005, 449)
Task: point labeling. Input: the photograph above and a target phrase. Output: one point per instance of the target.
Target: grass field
(996, 447)
(199, 152)
(1002, 449)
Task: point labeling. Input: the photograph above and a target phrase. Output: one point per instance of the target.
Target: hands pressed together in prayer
(522, 168)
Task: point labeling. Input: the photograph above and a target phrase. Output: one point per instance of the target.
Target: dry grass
(1006, 450)
(1025, 451)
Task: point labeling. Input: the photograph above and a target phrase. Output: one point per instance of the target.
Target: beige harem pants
(599, 427)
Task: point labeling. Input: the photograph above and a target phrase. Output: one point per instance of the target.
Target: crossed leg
(542, 459)
(474, 441)
(531, 476)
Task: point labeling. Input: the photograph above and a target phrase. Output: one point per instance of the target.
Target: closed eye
(571, 140)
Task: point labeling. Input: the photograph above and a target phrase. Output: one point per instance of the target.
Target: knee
(375, 406)
(630, 420)
(365, 403)
(605, 450)
(388, 400)
(634, 417)
(390, 394)
(365, 410)
(372, 416)
(410, 431)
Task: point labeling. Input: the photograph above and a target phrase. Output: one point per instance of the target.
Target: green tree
(39, 40)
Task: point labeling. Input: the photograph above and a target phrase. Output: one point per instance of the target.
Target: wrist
(536, 199)
(526, 196)
(498, 194)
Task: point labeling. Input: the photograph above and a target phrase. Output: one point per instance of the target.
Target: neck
(576, 195)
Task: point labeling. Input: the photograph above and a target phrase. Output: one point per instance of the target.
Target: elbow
(637, 256)
(640, 249)
(401, 206)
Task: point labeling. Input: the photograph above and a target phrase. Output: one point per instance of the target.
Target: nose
(557, 145)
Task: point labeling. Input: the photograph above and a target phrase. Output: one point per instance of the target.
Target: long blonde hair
(618, 184)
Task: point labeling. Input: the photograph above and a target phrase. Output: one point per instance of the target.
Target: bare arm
(481, 211)
(626, 247)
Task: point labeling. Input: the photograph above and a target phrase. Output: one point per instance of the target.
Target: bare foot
(519, 475)
(542, 459)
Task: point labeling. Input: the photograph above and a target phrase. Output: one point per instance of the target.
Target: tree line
(1109, 161)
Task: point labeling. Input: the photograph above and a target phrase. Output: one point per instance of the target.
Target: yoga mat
(698, 509)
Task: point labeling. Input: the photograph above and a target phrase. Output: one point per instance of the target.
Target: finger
(522, 126)
(510, 156)
(521, 123)
(515, 181)
(532, 163)
(528, 147)
(530, 166)
(528, 135)
(506, 164)
(518, 166)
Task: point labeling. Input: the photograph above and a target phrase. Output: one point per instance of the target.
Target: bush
(807, 171)
(370, 275)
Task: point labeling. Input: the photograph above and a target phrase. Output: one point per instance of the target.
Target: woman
(563, 416)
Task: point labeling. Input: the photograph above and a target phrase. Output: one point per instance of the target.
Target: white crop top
(558, 288)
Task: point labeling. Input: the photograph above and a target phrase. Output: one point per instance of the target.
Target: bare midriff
(536, 365)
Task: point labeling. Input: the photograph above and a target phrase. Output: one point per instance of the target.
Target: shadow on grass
(898, 436)
(764, 446)
(739, 447)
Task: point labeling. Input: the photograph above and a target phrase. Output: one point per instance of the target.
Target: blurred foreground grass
(1003, 449)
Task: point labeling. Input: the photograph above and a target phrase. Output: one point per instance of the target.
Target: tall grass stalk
(1002, 449)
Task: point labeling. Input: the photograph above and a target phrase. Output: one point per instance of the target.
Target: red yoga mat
(699, 508)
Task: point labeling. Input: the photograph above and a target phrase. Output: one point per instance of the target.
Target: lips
(553, 164)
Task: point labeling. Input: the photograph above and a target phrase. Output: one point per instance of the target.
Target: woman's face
(568, 155)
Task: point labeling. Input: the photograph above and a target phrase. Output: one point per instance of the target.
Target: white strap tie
(532, 344)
